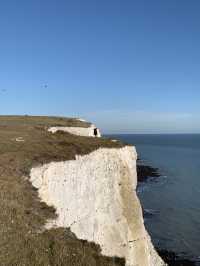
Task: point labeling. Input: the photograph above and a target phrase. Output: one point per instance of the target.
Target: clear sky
(130, 66)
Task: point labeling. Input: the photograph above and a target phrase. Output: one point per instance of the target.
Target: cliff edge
(95, 197)
(84, 209)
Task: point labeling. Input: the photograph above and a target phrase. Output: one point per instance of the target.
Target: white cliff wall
(95, 196)
(80, 131)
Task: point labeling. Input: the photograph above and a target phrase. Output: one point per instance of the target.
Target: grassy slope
(42, 121)
(22, 215)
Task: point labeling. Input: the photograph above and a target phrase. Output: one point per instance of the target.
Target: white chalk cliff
(95, 195)
(80, 131)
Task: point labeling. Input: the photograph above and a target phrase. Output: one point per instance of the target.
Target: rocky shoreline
(144, 173)
(172, 259)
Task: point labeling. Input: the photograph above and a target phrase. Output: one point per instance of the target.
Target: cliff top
(9, 120)
(27, 139)
(24, 143)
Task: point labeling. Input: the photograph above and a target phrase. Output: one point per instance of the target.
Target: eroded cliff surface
(94, 195)
(24, 143)
(88, 182)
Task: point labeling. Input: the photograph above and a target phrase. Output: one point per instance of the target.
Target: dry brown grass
(42, 121)
(22, 214)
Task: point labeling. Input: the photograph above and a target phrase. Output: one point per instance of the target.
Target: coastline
(146, 172)
(173, 259)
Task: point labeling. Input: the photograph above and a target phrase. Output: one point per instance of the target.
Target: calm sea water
(174, 200)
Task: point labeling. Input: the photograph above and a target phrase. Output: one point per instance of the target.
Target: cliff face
(24, 143)
(90, 131)
(91, 184)
(95, 196)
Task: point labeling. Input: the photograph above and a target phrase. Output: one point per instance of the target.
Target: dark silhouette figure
(95, 132)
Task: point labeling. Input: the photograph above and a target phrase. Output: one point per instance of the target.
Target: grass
(41, 121)
(23, 242)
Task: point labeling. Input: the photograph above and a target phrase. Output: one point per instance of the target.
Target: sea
(172, 201)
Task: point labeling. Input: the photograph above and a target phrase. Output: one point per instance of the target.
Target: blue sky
(130, 66)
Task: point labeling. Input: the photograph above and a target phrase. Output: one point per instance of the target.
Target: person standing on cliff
(95, 132)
